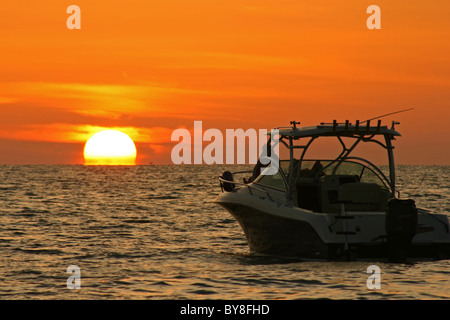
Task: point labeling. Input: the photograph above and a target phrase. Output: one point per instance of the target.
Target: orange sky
(149, 67)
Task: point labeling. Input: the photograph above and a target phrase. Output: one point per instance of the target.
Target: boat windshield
(319, 168)
(276, 181)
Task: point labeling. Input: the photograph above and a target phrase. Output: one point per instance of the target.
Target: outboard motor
(227, 186)
(401, 227)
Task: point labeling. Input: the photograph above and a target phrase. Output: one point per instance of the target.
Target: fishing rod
(388, 114)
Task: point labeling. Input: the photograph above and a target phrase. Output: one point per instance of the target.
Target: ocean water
(152, 232)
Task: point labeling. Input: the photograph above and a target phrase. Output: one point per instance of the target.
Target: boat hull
(275, 235)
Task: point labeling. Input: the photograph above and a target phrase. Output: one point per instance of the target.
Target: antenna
(388, 114)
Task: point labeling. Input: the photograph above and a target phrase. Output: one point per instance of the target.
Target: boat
(337, 209)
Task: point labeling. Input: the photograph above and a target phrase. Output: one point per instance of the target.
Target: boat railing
(243, 184)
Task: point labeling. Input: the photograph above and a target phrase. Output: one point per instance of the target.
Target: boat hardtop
(337, 129)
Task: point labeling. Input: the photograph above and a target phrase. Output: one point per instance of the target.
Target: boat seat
(331, 186)
(363, 196)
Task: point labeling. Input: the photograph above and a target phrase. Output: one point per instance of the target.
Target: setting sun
(110, 147)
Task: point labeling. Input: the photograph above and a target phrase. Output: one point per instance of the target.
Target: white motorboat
(344, 208)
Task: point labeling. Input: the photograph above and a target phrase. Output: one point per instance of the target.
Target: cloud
(70, 133)
(7, 100)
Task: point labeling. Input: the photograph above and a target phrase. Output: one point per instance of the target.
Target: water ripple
(150, 232)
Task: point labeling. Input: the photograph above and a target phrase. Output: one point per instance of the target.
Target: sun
(110, 147)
